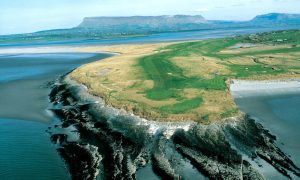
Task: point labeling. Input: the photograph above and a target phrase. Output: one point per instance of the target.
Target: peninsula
(189, 80)
(189, 118)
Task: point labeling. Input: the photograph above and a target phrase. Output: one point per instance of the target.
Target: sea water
(280, 114)
(25, 148)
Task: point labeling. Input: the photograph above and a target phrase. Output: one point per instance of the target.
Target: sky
(23, 16)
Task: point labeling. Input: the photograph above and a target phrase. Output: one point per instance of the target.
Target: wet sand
(241, 88)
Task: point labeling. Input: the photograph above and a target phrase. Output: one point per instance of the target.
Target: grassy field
(189, 80)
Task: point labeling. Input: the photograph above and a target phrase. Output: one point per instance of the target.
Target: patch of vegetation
(244, 71)
(183, 106)
(229, 112)
(206, 48)
(169, 80)
(216, 83)
(277, 37)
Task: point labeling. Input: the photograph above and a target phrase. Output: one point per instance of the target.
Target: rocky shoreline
(113, 144)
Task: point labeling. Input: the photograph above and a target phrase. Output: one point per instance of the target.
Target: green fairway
(170, 79)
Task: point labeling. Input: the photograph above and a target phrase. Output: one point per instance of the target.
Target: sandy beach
(240, 88)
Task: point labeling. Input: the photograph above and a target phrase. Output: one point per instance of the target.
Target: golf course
(188, 80)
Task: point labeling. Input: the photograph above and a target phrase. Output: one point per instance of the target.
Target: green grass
(243, 71)
(217, 83)
(183, 106)
(169, 79)
(207, 48)
(166, 76)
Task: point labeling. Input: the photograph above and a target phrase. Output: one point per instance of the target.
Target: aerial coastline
(150, 90)
(82, 100)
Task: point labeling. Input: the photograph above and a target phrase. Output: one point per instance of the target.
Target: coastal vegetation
(189, 80)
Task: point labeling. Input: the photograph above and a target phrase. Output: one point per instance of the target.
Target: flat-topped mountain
(277, 18)
(177, 22)
(151, 21)
(143, 23)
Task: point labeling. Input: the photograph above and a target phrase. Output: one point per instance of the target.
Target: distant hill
(149, 21)
(150, 24)
(112, 27)
(278, 18)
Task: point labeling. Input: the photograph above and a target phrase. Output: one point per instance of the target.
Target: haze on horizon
(23, 16)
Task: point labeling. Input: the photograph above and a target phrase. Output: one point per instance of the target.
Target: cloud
(201, 10)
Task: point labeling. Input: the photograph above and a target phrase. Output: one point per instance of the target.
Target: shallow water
(25, 78)
(280, 114)
(26, 151)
